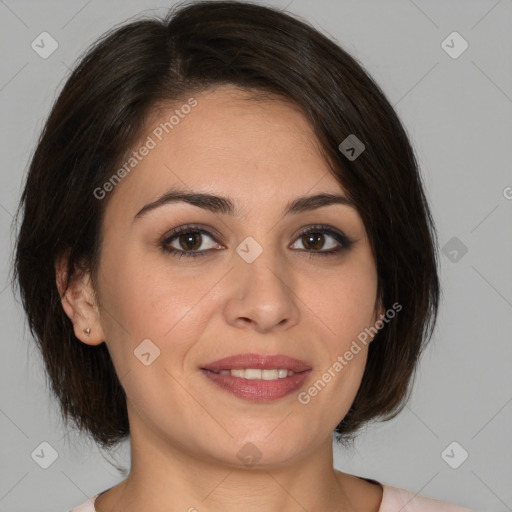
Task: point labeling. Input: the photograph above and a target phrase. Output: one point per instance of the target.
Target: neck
(198, 475)
(169, 478)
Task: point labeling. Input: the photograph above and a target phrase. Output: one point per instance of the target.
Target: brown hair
(97, 118)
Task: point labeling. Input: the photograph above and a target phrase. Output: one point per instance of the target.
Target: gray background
(458, 112)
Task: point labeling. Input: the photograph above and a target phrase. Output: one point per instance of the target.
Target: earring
(87, 331)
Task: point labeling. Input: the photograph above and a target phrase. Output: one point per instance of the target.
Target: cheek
(346, 302)
(346, 310)
(150, 299)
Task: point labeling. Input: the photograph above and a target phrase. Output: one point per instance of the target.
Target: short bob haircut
(99, 115)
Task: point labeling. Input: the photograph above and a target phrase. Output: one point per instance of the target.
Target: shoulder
(395, 499)
(88, 506)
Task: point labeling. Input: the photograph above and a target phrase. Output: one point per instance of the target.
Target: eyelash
(318, 228)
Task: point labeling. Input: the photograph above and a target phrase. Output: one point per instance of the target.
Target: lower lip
(258, 390)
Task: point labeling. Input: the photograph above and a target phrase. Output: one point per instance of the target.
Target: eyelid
(329, 230)
(343, 240)
(199, 228)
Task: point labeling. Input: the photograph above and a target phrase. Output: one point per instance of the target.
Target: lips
(257, 389)
(245, 361)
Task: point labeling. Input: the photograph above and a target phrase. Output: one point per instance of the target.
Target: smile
(257, 377)
(258, 374)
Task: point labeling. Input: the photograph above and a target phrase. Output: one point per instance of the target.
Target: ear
(79, 303)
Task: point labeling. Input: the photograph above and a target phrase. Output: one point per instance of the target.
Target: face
(182, 285)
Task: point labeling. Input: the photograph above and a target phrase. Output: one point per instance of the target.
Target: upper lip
(241, 361)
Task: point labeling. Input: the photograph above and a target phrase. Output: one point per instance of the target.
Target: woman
(226, 254)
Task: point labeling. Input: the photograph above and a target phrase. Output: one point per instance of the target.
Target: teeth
(258, 374)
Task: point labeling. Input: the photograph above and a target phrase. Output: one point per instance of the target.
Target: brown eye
(190, 241)
(187, 241)
(314, 239)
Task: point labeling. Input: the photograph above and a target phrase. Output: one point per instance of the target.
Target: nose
(262, 294)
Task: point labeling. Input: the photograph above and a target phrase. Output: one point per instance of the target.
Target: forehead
(228, 142)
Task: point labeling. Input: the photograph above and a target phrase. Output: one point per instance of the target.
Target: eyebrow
(224, 205)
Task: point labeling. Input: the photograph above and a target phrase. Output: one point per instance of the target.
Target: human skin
(186, 432)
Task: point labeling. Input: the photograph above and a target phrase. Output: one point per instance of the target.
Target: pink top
(393, 500)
